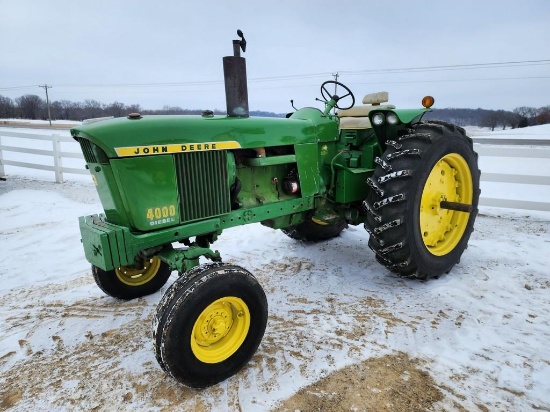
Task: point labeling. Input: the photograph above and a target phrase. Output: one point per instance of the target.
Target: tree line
(520, 117)
(31, 106)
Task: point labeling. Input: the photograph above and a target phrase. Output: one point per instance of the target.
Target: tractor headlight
(378, 119)
(392, 118)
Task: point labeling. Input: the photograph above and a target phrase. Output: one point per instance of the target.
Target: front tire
(129, 283)
(315, 231)
(209, 324)
(411, 231)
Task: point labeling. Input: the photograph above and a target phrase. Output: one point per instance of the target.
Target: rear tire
(409, 231)
(209, 324)
(311, 231)
(129, 283)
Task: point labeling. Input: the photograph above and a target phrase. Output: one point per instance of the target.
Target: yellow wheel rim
(220, 330)
(319, 222)
(450, 180)
(137, 277)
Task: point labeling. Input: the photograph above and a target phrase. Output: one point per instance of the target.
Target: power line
(471, 66)
(454, 67)
(413, 69)
(19, 87)
(457, 80)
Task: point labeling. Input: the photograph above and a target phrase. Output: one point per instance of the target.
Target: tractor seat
(357, 117)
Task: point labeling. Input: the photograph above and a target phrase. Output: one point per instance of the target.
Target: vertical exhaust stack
(234, 71)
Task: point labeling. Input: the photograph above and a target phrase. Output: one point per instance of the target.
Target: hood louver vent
(203, 184)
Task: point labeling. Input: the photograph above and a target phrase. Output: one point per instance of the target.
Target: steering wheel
(328, 95)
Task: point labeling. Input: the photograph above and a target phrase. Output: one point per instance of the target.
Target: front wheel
(209, 324)
(314, 230)
(129, 283)
(424, 199)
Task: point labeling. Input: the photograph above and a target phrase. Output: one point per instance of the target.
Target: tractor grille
(87, 150)
(202, 184)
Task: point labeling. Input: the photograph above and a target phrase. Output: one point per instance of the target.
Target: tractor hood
(122, 137)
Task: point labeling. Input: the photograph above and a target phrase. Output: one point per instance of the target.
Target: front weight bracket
(185, 259)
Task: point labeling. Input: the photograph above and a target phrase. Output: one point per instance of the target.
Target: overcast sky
(158, 53)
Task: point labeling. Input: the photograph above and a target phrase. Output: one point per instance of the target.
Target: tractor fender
(411, 116)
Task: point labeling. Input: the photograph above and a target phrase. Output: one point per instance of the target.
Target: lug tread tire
(165, 302)
(309, 231)
(178, 311)
(111, 285)
(393, 218)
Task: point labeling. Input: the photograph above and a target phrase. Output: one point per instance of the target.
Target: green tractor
(169, 186)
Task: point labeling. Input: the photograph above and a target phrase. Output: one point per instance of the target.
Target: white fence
(55, 152)
(542, 152)
(484, 151)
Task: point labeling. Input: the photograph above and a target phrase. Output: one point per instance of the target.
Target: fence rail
(484, 150)
(511, 141)
(56, 153)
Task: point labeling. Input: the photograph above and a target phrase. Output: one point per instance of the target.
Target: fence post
(57, 163)
(2, 173)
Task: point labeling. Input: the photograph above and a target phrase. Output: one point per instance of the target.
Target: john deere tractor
(169, 186)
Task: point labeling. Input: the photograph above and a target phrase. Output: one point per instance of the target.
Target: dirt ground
(389, 383)
(81, 377)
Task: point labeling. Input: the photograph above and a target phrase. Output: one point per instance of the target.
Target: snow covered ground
(473, 340)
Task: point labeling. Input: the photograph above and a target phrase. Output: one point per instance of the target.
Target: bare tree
(30, 106)
(7, 107)
(56, 110)
(507, 119)
(543, 116)
(133, 108)
(513, 119)
(491, 119)
(528, 113)
(115, 109)
(171, 110)
(68, 109)
(93, 108)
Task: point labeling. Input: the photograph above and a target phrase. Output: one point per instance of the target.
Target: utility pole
(46, 87)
